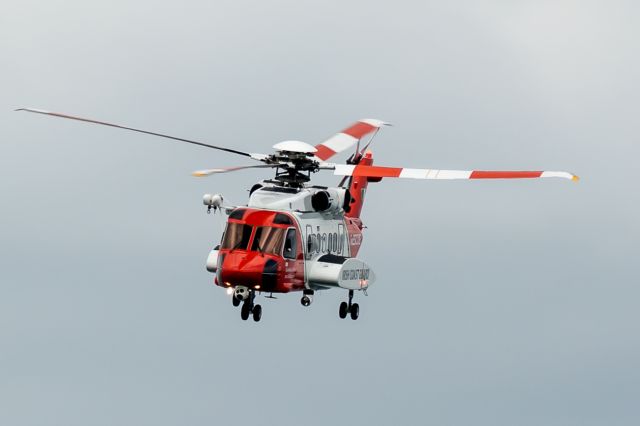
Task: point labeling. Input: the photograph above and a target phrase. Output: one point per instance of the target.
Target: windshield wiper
(236, 246)
(259, 248)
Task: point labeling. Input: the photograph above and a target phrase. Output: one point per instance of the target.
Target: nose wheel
(349, 308)
(307, 298)
(250, 309)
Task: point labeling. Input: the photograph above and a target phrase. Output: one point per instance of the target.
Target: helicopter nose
(243, 269)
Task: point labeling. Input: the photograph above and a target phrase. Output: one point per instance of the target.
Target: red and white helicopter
(293, 236)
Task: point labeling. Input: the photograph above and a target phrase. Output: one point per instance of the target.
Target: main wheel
(344, 309)
(235, 301)
(257, 313)
(305, 301)
(354, 311)
(245, 311)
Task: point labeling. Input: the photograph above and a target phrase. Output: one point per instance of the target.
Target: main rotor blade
(209, 172)
(88, 120)
(400, 172)
(348, 137)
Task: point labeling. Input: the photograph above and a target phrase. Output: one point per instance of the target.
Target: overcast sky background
(497, 303)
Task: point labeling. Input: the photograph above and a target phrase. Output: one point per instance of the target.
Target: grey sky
(497, 303)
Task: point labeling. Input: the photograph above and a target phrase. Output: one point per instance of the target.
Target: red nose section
(252, 252)
(245, 269)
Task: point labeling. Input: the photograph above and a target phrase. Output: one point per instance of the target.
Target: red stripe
(324, 153)
(376, 171)
(359, 130)
(479, 174)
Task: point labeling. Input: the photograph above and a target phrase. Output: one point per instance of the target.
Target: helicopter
(293, 236)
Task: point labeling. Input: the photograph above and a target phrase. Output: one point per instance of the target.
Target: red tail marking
(358, 186)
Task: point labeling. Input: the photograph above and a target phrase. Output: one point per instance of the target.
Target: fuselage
(274, 250)
(294, 239)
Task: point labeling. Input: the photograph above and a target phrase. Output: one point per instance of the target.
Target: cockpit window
(237, 236)
(268, 240)
(237, 214)
(290, 244)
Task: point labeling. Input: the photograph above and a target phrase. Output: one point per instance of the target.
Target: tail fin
(358, 187)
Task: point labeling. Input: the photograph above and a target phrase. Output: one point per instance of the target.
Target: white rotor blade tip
(564, 175)
(203, 173)
(374, 122)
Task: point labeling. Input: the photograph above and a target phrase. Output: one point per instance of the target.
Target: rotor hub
(296, 161)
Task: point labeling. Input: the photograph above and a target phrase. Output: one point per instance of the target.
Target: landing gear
(307, 298)
(349, 308)
(354, 311)
(257, 313)
(245, 311)
(344, 310)
(249, 308)
(235, 300)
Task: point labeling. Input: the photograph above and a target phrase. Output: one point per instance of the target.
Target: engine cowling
(330, 199)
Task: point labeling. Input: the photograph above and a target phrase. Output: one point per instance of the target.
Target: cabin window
(309, 244)
(290, 244)
(268, 240)
(312, 244)
(237, 236)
